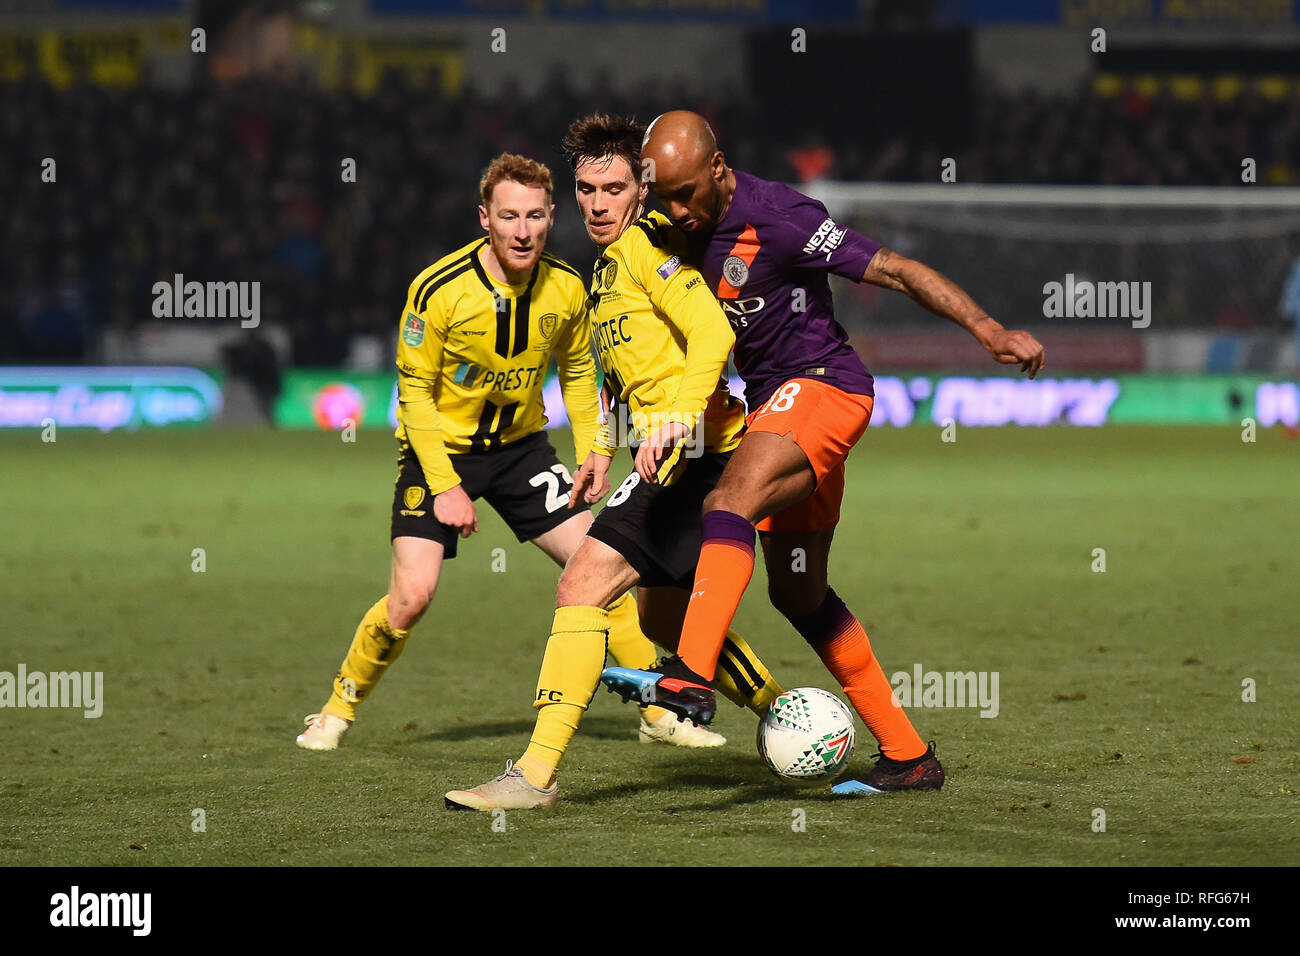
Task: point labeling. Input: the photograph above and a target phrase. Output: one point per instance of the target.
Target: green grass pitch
(1119, 691)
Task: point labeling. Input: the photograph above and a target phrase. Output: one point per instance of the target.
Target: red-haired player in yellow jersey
(663, 343)
(479, 328)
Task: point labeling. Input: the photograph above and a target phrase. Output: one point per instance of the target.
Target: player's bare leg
(575, 653)
(797, 569)
(766, 474)
(417, 566)
(379, 640)
(628, 645)
(560, 543)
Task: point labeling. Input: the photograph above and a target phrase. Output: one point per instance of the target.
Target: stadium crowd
(243, 183)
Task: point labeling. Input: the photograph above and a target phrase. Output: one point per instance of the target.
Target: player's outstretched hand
(656, 448)
(591, 483)
(1012, 346)
(453, 507)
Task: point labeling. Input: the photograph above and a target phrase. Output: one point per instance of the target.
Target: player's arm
(945, 298)
(810, 239)
(576, 367)
(419, 363)
(685, 300)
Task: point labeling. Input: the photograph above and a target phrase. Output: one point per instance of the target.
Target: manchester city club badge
(735, 271)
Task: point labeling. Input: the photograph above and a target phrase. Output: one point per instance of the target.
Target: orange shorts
(825, 423)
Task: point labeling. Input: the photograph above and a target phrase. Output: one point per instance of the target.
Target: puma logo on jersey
(459, 328)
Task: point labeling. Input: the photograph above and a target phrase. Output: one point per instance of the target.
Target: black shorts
(657, 529)
(524, 482)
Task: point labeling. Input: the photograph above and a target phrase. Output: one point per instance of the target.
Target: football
(806, 735)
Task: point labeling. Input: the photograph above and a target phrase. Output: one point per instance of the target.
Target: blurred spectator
(242, 182)
(1289, 305)
(811, 160)
(1235, 314)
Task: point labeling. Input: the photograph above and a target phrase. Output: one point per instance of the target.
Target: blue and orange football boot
(670, 684)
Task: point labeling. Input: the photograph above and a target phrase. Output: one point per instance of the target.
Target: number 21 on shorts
(782, 399)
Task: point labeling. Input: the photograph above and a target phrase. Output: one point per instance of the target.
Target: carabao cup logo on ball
(806, 735)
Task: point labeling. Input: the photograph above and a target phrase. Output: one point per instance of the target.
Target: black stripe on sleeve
(427, 291)
(561, 264)
(434, 277)
(650, 232)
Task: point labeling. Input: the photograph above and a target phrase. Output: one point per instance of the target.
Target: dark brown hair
(599, 136)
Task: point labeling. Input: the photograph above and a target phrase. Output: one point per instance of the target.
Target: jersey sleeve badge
(669, 267)
(413, 330)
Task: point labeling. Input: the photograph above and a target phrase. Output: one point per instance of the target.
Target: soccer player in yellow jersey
(663, 342)
(478, 331)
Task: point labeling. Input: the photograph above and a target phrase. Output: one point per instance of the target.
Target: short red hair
(517, 169)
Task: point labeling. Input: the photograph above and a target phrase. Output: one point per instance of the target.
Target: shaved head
(680, 140)
(681, 160)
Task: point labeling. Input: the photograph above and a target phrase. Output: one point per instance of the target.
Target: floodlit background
(187, 512)
(228, 166)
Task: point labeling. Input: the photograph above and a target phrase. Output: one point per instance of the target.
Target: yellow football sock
(374, 647)
(629, 646)
(742, 677)
(575, 656)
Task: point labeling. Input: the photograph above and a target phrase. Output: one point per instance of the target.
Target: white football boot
(510, 791)
(324, 731)
(678, 733)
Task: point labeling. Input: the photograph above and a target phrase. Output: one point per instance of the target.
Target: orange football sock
(725, 567)
(844, 648)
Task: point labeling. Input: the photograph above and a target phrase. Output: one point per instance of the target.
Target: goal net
(1215, 258)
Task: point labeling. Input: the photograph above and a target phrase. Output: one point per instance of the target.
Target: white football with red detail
(806, 735)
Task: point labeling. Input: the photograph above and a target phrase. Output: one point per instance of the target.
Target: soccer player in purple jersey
(766, 251)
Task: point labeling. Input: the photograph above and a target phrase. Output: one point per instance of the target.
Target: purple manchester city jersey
(767, 262)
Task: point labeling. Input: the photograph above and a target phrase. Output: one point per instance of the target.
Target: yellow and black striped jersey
(473, 353)
(661, 337)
